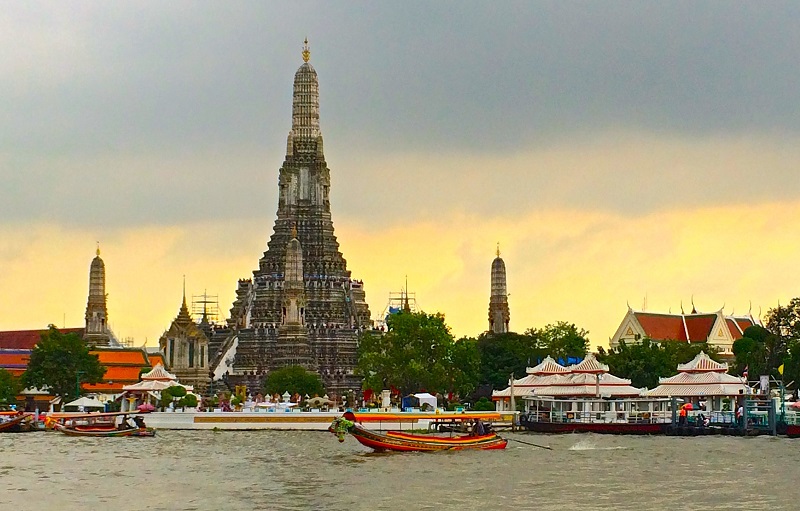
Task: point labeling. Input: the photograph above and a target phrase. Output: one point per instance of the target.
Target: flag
(744, 373)
(780, 369)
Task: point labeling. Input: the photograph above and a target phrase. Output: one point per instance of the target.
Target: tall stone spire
(301, 306)
(96, 331)
(499, 314)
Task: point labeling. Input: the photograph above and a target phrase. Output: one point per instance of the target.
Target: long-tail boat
(402, 441)
(15, 422)
(101, 425)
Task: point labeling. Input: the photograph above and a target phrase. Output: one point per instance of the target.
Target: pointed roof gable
(698, 326)
(158, 373)
(547, 366)
(589, 365)
(702, 363)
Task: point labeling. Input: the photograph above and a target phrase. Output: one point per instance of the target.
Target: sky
(620, 153)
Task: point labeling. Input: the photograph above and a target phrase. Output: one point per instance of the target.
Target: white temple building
(589, 378)
(702, 379)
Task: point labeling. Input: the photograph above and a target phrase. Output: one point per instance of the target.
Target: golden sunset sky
(617, 152)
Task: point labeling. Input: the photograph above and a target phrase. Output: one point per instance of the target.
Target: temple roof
(589, 365)
(701, 377)
(547, 366)
(703, 363)
(27, 339)
(159, 373)
(590, 379)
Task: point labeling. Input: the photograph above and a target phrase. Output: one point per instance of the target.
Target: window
(191, 353)
(171, 352)
(202, 356)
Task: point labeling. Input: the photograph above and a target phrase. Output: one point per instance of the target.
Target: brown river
(227, 470)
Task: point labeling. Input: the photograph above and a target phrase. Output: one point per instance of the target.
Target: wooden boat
(15, 422)
(100, 425)
(402, 441)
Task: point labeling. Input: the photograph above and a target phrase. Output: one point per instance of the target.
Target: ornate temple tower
(96, 331)
(185, 348)
(499, 314)
(301, 307)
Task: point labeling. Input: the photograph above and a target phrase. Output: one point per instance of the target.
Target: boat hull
(18, 424)
(393, 441)
(793, 430)
(105, 432)
(408, 442)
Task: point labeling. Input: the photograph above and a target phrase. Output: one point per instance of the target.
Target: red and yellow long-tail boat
(401, 441)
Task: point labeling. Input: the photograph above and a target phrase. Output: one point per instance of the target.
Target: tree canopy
(417, 352)
(504, 354)
(9, 387)
(645, 362)
(60, 362)
(294, 380)
(783, 348)
(562, 340)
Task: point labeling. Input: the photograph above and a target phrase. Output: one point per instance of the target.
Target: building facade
(301, 306)
(185, 349)
(716, 328)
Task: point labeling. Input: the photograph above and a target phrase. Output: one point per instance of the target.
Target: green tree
(415, 353)
(294, 380)
(645, 362)
(465, 370)
(9, 387)
(784, 324)
(504, 354)
(59, 362)
(562, 340)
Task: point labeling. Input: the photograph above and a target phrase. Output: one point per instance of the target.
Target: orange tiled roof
(155, 359)
(121, 357)
(27, 339)
(699, 326)
(745, 323)
(733, 329)
(662, 326)
(14, 361)
(127, 374)
(112, 387)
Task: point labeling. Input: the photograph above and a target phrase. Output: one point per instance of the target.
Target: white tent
(425, 397)
(85, 403)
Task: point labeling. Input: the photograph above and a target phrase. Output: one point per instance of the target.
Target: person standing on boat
(682, 416)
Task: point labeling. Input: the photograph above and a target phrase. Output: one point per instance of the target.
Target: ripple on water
(234, 471)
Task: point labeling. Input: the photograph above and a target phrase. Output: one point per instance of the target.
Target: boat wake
(586, 445)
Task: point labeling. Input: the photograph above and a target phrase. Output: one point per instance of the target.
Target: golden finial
(498, 249)
(294, 231)
(98, 249)
(306, 52)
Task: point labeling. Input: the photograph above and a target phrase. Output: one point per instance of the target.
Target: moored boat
(616, 417)
(405, 442)
(115, 424)
(15, 422)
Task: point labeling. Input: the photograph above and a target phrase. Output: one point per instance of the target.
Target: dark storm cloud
(157, 112)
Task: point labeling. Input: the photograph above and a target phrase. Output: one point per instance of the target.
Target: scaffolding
(397, 302)
(205, 306)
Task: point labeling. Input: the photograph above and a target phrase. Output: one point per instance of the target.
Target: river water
(255, 470)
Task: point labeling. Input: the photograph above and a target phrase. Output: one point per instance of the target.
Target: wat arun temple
(301, 307)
